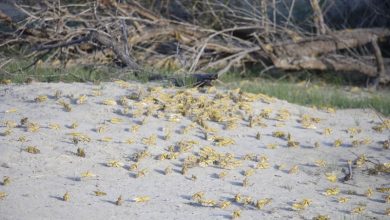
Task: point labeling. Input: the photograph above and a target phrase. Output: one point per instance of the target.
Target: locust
(222, 175)
(6, 132)
(2, 195)
(100, 193)
(81, 99)
(337, 143)
(41, 98)
(23, 122)
(321, 217)
(272, 146)
(110, 102)
(209, 202)
(140, 155)
(358, 210)
(129, 141)
(167, 170)
(101, 129)
(6, 180)
(224, 204)
(32, 150)
(58, 94)
(223, 141)
(74, 125)
(116, 120)
(54, 126)
(106, 139)
(133, 167)
(343, 199)
(301, 205)
(119, 201)
(141, 199)
(80, 152)
(198, 196)
(150, 140)
(236, 214)
(332, 191)
(258, 136)
(114, 163)
(12, 110)
(87, 174)
(33, 127)
(320, 163)
(66, 197)
(261, 203)
(141, 173)
(249, 172)
(331, 177)
(245, 182)
(294, 170)
(368, 193)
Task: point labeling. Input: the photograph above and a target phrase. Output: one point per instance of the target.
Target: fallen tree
(319, 53)
(133, 36)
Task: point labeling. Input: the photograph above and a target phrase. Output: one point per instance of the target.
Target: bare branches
(318, 17)
(105, 40)
(379, 60)
(222, 36)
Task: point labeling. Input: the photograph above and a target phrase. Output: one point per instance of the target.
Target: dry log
(329, 62)
(338, 63)
(318, 53)
(325, 44)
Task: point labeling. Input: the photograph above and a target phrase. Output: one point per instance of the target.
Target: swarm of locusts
(205, 142)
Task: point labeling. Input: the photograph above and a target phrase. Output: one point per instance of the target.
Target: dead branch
(338, 40)
(133, 34)
(318, 17)
(106, 40)
(319, 53)
(379, 61)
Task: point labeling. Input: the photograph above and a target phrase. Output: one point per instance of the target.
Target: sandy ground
(287, 176)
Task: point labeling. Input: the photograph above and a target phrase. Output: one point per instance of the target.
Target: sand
(38, 182)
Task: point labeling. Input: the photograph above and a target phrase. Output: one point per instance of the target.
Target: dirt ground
(191, 154)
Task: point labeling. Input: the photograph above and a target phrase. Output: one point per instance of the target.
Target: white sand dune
(38, 182)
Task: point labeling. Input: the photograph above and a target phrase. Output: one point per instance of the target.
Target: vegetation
(195, 36)
(319, 91)
(319, 94)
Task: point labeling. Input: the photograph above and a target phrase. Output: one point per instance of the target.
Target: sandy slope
(39, 181)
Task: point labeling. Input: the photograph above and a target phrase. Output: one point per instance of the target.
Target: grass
(315, 93)
(18, 73)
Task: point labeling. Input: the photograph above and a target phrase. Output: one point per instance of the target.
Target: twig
(62, 44)
(378, 114)
(266, 70)
(379, 59)
(125, 37)
(348, 176)
(5, 63)
(212, 36)
(318, 17)
(290, 13)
